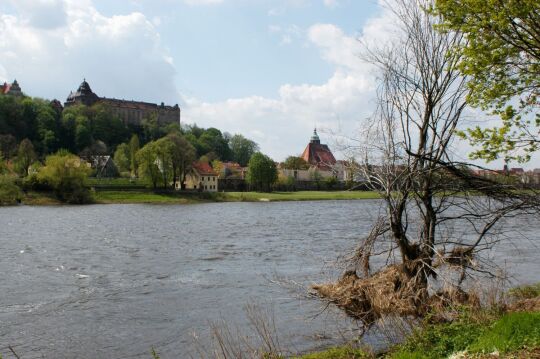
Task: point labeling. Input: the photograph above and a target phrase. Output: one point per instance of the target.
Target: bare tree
(407, 157)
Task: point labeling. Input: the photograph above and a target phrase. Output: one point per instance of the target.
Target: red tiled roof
(203, 168)
(232, 165)
(318, 155)
(5, 88)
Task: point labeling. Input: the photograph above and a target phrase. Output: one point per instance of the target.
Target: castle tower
(14, 89)
(83, 96)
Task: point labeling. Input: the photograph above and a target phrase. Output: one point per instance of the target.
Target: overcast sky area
(271, 70)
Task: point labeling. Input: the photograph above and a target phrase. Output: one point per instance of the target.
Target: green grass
(115, 182)
(121, 197)
(111, 196)
(299, 196)
(511, 332)
(337, 353)
(438, 341)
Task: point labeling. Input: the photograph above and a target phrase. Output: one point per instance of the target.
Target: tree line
(36, 135)
(95, 130)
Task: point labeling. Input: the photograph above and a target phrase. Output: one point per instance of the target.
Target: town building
(130, 112)
(233, 170)
(202, 178)
(318, 155)
(322, 163)
(12, 89)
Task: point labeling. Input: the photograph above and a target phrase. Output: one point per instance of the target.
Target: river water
(116, 280)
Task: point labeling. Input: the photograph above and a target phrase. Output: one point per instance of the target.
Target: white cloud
(331, 3)
(202, 2)
(121, 56)
(336, 47)
(282, 126)
(284, 5)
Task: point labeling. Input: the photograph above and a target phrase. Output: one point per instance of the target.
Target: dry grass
(388, 292)
(392, 291)
(525, 305)
(229, 342)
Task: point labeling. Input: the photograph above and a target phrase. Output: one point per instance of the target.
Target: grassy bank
(184, 198)
(299, 196)
(111, 196)
(512, 332)
(512, 335)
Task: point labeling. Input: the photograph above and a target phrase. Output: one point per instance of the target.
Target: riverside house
(202, 178)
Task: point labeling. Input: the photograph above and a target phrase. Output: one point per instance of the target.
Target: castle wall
(133, 112)
(130, 112)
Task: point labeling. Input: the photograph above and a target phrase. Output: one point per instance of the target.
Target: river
(116, 280)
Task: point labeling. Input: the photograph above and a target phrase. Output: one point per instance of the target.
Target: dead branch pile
(395, 290)
(392, 290)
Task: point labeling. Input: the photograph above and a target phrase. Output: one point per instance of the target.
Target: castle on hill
(130, 112)
(12, 89)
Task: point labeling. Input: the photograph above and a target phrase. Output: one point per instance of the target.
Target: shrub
(10, 193)
(66, 175)
(331, 182)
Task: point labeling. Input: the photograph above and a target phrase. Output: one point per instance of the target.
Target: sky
(271, 70)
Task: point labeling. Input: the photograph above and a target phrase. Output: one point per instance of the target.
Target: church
(130, 112)
(318, 154)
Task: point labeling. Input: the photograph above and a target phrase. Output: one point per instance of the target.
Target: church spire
(315, 138)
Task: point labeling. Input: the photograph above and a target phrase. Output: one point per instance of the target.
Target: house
(202, 178)
(233, 170)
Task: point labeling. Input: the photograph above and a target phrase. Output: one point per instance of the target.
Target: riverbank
(106, 197)
(508, 331)
(513, 335)
(145, 197)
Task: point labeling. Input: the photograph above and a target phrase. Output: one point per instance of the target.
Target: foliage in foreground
(502, 58)
(511, 332)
